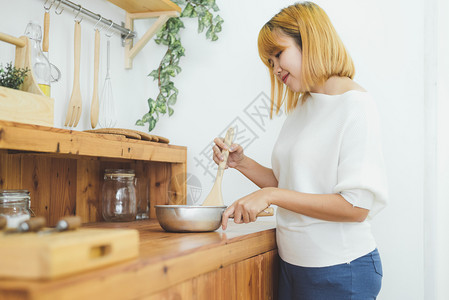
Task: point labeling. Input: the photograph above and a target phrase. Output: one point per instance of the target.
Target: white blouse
(330, 144)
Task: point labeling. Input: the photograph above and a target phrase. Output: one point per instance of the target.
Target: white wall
(222, 81)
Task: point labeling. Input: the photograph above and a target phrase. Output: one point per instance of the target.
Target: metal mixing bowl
(186, 218)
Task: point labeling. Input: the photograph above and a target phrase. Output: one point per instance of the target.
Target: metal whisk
(108, 117)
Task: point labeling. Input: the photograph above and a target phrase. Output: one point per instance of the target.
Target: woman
(327, 175)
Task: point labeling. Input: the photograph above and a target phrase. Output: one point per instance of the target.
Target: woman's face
(287, 63)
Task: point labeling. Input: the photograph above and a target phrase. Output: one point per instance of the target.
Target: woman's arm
(329, 207)
(260, 175)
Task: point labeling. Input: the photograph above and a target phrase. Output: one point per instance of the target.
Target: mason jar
(119, 195)
(15, 206)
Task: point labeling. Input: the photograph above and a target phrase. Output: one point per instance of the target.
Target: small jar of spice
(15, 206)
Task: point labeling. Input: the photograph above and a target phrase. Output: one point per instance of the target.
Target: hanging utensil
(215, 197)
(55, 73)
(108, 117)
(45, 42)
(95, 105)
(74, 110)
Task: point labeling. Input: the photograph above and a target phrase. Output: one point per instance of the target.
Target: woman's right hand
(235, 157)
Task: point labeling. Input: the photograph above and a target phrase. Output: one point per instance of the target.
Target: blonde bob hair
(323, 52)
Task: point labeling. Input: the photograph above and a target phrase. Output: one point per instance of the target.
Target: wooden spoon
(95, 105)
(45, 41)
(215, 197)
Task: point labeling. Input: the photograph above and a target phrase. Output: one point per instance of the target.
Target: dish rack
(29, 104)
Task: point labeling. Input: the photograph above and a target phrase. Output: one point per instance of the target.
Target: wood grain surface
(173, 264)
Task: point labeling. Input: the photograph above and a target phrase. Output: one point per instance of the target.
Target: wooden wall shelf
(63, 169)
(144, 9)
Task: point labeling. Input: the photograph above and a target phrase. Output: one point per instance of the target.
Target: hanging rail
(125, 32)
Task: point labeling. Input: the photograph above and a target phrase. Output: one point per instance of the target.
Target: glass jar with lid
(15, 206)
(119, 195)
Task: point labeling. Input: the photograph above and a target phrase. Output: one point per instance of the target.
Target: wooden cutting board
(131, 134)
(48, 256)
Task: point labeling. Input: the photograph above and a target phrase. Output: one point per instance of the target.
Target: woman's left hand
(245, 209)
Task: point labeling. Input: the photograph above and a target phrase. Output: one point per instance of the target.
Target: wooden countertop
(165, 259)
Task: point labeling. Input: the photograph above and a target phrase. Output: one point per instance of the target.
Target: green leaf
(172, 99)
(187, 12)
(161, 107)
(215, 7)
(146, 117)
(179, 2)
(218, 19)
(209, 32)
(154, 74)
(200, 25)
(170, 111)
(151, 124)
(140, 123)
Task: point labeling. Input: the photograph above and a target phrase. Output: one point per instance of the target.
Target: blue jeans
(361, 279)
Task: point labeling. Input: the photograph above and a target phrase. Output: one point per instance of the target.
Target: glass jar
(15, 206)
(40, 64)
(119, 196)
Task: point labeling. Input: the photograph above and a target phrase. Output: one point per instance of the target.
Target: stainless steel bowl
(186, 218)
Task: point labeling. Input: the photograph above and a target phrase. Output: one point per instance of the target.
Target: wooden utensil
(45, 41)
(215, 197)
(95, 105)
(74, 110)
(31, 225)
(65, 224)
(3, 222)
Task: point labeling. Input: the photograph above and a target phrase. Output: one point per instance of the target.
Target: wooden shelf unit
(63, 169)
(145, 9)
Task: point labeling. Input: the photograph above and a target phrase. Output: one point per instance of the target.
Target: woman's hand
(235, 157)
(245, 209)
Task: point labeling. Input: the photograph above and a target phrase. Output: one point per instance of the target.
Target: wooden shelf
(144, 9)
(239, 263)
(139, 6)
(23, 137)
(63, 169)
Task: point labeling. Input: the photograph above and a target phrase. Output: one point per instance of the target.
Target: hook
(110, 31)
(47, 9)
(125, 38)
(56, 9)
(79, 10)
(96, 24)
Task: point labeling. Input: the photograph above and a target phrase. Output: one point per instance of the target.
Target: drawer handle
(100, 251)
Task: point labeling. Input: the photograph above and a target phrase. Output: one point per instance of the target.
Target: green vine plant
(169, 35)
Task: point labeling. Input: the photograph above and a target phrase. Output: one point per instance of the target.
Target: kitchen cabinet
(63, 169)
(240, 263)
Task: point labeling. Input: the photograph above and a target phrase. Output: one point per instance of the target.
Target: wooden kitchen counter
(239, 263)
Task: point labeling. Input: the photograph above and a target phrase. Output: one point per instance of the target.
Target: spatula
(215, 198)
